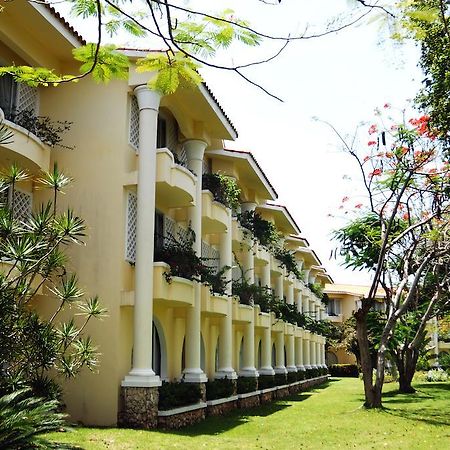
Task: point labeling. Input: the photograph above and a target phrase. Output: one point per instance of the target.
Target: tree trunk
(372, 393)
(406, 363)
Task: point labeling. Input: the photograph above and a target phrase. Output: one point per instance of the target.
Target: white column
(305, 303)
(299, 301)
(193, 373)
(142, 374)
(299, 352)
(290, 353)
(290, 293)
(249, 369)
(279, 290)
(226, 323)
(306, 350)
(312, 352)
(279, 346)
(266, 344)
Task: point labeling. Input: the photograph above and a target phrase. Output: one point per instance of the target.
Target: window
(379, 306)
(130, 248)
(133, 137)
(334, 307)
(17, 97)
(23, 202)
(161, 136)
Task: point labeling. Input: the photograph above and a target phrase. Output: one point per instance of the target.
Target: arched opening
(241, 354)
(259, 355)
(216, 358)
(274, 356)
(285, 355)
(159, 354)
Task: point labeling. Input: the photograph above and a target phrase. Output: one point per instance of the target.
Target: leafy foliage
(224, 189)
(178, 253)
(33, 348)
(23, 418)
(219, 388)
(49, 132)
(176, 394)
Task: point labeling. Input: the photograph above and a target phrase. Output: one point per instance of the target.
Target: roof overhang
(283, 219)
(247, 164)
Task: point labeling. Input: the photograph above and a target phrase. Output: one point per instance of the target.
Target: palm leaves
(23, 418)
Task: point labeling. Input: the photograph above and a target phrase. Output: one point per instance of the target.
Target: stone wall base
(181, 420)
(266, 397)
(249, 402)
(282, 393)
(221, 409)
(138, 407)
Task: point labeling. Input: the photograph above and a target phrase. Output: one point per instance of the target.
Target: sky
(340, 78)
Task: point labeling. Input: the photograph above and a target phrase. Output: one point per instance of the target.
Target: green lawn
(328, 417)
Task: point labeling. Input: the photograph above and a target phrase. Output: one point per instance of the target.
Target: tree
(32, 347)
(402, 233)
(428, 23)
(189, 39)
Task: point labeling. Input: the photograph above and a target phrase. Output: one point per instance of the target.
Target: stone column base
(138, 407)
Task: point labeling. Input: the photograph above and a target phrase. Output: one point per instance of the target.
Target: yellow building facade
(138, 164)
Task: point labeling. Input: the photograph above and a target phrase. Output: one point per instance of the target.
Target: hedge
(176, 394)
(344, 370)
(246, 384)
(219, 388)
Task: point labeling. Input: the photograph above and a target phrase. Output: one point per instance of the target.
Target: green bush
(301, 375)
(344, 370)
(24, 418)
(176, 394)
(219, 388)
(266, 381)
(444, 360)
(246, 384)
(280, 379)
(437, 375)
(312, 373)
(292, 377)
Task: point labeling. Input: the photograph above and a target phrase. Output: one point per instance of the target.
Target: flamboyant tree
(400, 232)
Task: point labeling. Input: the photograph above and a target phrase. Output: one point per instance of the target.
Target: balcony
(242, 313)
(263, 319)
(237, 234)
(179, 292)
(262, 256)
(25, 149)
(214, 214)
(175, 185)
(213, 305)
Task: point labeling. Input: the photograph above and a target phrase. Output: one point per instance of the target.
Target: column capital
(195, 149)
(147, 98)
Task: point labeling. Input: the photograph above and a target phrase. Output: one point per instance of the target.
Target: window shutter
(133, 137)
(27, 98)
(130, 250)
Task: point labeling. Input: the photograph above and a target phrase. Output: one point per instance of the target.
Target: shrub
(344, 370)
(301, 375)
(246, 384)
(437, 375)
(312, 373)
(444, 360)
(266, 381)
(176, 394)
(292, 377)
(23, 418)
(219, 388)
(280, 379)
(223, 188)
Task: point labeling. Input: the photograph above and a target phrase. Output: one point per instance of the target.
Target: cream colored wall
(97, 164)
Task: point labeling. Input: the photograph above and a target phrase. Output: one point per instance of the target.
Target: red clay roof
(66, 24)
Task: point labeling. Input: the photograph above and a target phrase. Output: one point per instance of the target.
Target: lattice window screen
(211, 256)
(130, 251)
(134, 123)
(172, 134)
(27, 98)
(22, 204)
(170, 228)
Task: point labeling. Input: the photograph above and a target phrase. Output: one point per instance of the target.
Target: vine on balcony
(261, 231)
(223, 188)
(178, 253)
(48, 131)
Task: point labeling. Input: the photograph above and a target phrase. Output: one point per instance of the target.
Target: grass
(329, 417)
